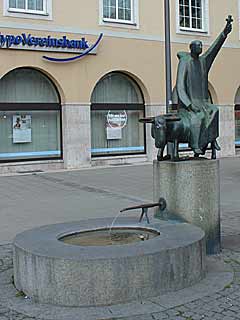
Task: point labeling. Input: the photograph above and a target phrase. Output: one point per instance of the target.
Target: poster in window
(114, 133)
(116, 121)
(22, 128)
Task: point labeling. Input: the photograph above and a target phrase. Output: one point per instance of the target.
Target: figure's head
(196, 48)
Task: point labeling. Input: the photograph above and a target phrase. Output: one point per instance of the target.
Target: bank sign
(80, 47)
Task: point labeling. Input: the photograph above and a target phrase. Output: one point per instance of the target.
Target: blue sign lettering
(49, 42)
(27, 40)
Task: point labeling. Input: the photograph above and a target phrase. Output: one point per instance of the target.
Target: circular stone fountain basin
(51, 271)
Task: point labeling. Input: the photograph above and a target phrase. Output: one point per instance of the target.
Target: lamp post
(168, 55)
(168, 64)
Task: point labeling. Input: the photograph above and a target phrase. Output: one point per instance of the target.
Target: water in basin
(107, 237)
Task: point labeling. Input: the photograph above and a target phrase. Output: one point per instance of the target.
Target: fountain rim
(44, 241)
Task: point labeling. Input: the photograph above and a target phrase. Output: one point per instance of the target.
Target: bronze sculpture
(197, 120)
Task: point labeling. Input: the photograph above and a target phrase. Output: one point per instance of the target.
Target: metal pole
(168, 55)
(168, 63)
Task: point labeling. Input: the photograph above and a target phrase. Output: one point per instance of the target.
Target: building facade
(76, 78)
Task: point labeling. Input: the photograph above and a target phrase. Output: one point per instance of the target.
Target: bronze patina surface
(197, 119)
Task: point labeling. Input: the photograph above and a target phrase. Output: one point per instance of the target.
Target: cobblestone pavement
(50, 196)
(224, 305)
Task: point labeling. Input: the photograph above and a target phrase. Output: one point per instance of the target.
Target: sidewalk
(32, 200)
(44, 198)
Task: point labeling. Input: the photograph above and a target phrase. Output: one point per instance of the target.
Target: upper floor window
(30, 9)
(192, 15)
(118, 11)
(28, 6)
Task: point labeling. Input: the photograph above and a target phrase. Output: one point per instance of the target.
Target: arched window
(237, 118)
(237, 125)
(116, 106)
(30, 116)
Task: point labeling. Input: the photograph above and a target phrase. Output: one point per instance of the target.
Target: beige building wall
(136, 50)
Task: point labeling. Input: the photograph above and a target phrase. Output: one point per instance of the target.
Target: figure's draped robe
(192, 89)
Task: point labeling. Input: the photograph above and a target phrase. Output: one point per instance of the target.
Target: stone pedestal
(192, 192)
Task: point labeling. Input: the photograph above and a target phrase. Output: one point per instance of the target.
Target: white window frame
(26, 10)
(134, 22)
(205, 20)
(45, 14)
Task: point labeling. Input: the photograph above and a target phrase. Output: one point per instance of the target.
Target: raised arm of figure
(213, 50)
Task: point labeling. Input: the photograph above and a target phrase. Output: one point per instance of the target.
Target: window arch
(27, 85)
(237, 125)
(115, 88)
(116, 106)
(30, 116)
(237, 118)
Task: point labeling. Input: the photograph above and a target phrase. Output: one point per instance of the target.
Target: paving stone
(134, 308)
(217, 309)
(236, 309)
(172, 312)
(199, 317)
(141, 317)
(229, 313)
(206, 314)
(3, 309)
(16, 316)
(159, 316)
(182, 309)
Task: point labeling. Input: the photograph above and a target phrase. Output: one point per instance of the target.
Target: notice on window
(114, 133)
(22, 128)
(117, 119)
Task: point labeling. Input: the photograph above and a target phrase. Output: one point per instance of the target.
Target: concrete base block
(192, 192)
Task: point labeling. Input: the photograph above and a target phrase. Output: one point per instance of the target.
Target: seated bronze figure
(197, 120)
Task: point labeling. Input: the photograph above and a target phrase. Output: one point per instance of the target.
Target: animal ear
(147, 120)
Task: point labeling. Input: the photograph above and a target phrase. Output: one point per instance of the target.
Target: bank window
(30, 117)
(118, 11)
(237, 126)
(192, 15)
(117, 105)
(28, 6)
